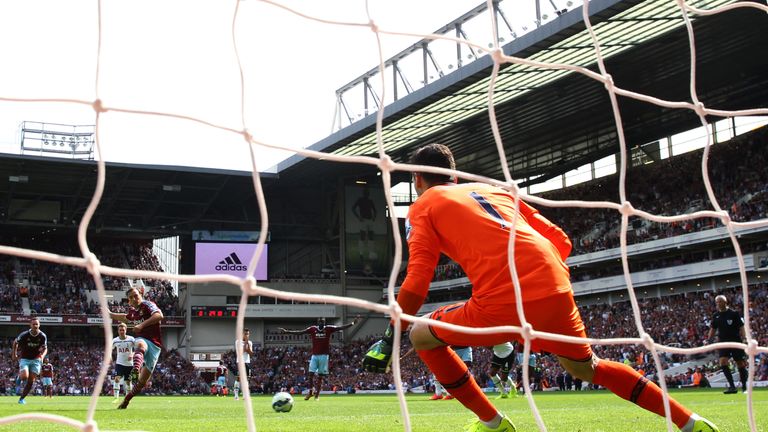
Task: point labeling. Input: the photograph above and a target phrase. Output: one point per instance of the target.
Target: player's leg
(619, 378)
(493, 373)
(23, 377)
(116, 385)
(741, 365)
(318, 385)
(140, 349)
(628, 384)
(313, 368)
(450, 370)
(322, 372)
(725, 355)
(361, 244)
(310, 385)
(28, 371)
(149, 363)
(28, 386)
(438, 390)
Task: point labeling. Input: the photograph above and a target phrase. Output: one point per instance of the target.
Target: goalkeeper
(471, 223)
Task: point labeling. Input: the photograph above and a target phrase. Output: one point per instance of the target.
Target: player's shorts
(464, 353)
(47, 381)
(554, 314)
(236, 370)
(32, 365)
(123, 371)
(504, 364)
(318, 364)
(735, 353)
(221, 381)
(152, 354)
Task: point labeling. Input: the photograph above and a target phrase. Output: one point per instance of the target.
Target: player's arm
(711, 333)
(248, 348)
(348, 325)
(424, 255)
(292, 331)
(14, 348)
(155, 318)
(44, 347)
(550, 231)
(118, 317)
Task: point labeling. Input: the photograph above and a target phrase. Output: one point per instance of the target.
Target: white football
(282, 402)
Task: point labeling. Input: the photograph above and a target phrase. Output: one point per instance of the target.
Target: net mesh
(386, 165)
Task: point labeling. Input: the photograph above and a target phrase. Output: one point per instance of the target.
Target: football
(282, 402)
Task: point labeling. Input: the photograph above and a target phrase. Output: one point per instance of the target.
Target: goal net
(224, 49)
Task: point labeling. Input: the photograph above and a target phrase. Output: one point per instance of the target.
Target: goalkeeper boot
(505, 426)
(436, 397)
(704, 425)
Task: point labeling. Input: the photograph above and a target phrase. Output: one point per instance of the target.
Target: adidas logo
(231, 262)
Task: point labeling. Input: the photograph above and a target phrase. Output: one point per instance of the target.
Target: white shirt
(246, 356)
(124, 349)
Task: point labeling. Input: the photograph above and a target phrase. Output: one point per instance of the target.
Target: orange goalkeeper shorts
(555, 314)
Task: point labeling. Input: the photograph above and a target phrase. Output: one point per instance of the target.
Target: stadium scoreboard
(214, 311)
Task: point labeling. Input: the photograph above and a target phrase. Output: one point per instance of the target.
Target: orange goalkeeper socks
(455, 377)
(628, 384)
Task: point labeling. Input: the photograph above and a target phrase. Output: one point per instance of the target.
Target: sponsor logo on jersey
(231, 262)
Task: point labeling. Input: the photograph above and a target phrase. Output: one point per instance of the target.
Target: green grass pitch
(592, 411)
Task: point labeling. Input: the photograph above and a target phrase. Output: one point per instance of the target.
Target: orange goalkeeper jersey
(471, 223)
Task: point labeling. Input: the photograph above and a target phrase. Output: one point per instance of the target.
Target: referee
(730, 328)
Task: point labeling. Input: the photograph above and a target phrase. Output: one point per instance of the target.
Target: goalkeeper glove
(379, 355)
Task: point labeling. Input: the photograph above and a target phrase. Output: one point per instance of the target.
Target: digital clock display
(214, 311)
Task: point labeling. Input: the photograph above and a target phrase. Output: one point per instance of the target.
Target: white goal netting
(231, 119)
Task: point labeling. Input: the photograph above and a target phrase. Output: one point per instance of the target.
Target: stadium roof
(555, 121)
(140, 200)
(550, 122)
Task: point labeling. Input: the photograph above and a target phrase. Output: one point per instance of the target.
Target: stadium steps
(25, 306)
(692, 364)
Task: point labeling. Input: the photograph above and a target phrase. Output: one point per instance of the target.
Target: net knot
(752, 347)
(395, 311)
(385, 164)
(374, 27)
(626, 208)
(608, 82)
(98, 106)
(247, 135)
(90, 426)
(725, 218)
(91, 263)
(647, 341)
(526, 331)
(249, 286)
(700, 109)
(497, 55)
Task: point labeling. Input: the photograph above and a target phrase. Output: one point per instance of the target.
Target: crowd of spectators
(655, 188)
(680, 320)
(60, 289)
(669, 320)
(76, 365)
